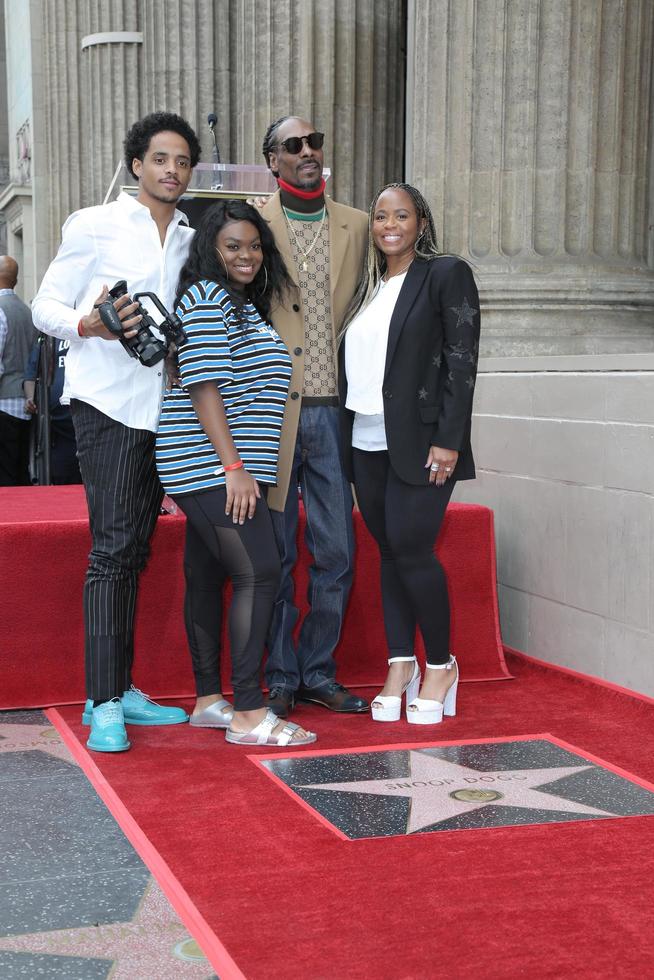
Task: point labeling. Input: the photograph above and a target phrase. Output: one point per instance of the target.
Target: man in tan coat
(323, 244)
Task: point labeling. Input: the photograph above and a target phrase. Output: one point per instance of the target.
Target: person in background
(115, 402)
(408, 362)
(64, 468)
(217, 455)
(17, 334)
(323, 244)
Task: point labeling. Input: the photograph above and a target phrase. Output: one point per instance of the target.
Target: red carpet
(44, 544)
(291, 901)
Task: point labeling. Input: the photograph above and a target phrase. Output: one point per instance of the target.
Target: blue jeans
(329, 537)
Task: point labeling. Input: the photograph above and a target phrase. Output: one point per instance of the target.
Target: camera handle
(112, 321)
(145, 346)
(110, 317)
(171, 325)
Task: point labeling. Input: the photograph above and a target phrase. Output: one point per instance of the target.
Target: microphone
(212, 119)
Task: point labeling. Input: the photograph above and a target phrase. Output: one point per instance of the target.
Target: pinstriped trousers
(124, 494)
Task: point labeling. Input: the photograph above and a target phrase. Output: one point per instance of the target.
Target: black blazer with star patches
(430, 371)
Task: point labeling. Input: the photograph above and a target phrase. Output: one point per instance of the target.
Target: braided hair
(270, 137)
(426, 248)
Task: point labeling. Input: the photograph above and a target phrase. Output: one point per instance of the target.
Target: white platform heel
(388, 707)
(422, 711)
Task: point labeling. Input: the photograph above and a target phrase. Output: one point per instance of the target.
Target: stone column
(338, 63)
(111, 78)
(529, 129)
(65, 164)
(188, 68)
(87, 93)
(106, 62)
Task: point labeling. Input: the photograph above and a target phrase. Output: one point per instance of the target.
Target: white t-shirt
(366, 342)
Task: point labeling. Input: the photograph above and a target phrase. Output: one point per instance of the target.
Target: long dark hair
(271, 281)
(426, 248)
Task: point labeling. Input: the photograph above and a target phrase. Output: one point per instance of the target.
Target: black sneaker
(280, 701)
(334, 696)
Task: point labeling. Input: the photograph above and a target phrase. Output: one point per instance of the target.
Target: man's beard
(308, 182)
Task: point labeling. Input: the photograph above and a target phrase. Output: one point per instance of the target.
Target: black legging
(404, 521)
(217, 549)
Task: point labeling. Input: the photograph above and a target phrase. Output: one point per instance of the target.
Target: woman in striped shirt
(217, 450)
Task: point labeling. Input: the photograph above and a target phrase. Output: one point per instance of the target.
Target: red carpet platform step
(44, 544)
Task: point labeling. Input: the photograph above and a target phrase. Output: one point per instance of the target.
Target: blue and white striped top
(252, 371)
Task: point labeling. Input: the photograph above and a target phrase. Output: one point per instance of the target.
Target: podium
(210, 182)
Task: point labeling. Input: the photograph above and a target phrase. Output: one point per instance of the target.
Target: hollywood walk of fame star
(150, 945)
(438, 790)
(26, 738)
(464, 313)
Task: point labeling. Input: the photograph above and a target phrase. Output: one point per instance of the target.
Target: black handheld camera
(143, 345)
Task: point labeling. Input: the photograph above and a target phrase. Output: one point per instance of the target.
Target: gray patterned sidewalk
(76, 901)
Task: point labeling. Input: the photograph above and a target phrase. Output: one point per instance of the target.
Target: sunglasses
(294, 144)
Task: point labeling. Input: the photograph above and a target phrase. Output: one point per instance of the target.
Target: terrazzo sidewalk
(76, 901)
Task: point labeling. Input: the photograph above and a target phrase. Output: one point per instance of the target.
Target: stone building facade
(104, 64)
(528, 125)
(532, 136)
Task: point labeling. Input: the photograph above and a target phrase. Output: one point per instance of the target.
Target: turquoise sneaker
(88, 712)
(108, 728)
(139, 709)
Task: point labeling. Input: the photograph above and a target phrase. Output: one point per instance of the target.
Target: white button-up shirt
(101, 245)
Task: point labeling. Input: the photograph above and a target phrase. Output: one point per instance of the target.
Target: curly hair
(426, 248)
(139, 135)
(270, 137)
(271, 282)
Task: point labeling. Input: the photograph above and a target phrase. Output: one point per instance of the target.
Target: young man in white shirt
(115, 401)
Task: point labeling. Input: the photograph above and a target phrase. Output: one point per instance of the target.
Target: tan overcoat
(348, 241)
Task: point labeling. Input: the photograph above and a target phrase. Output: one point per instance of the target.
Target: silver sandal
(263, 734)
(214, 716)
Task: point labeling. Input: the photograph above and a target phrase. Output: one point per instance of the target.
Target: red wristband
(80, 329)
(234, 466)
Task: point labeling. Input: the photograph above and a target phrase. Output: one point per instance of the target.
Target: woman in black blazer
(408, 361)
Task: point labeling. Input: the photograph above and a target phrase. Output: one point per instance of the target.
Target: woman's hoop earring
(265, 280)
(223, 261)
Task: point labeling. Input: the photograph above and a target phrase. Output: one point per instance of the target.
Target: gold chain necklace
(305, 255)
